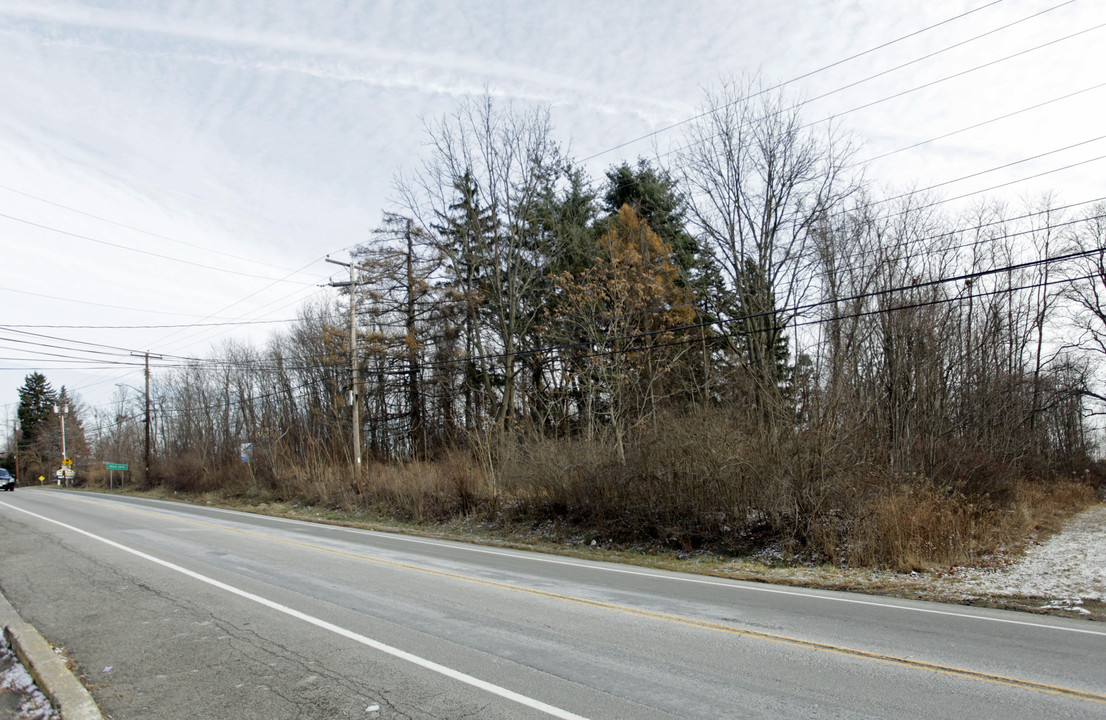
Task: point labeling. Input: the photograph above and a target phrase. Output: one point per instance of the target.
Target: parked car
(7, 481)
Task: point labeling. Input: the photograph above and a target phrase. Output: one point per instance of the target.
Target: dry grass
(919, 528)
(711, 482)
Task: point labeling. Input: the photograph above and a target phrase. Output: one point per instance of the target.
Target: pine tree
(38, 440)
(36, 409)
(653, 195)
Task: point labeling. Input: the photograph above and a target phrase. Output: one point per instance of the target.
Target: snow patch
(1068, 568)
(15, 678)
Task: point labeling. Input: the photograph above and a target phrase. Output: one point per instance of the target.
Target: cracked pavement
(172, 611)
(153, 652)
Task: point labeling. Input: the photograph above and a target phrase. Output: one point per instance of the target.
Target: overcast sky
(174, 163)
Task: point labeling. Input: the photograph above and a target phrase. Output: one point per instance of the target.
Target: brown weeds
(712, 480)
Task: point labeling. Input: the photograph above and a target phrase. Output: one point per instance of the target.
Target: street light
(61, 410)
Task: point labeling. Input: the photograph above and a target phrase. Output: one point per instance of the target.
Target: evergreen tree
(36, 409)
(39, 440)
(653, 195)
(463, 234)
(571, 214)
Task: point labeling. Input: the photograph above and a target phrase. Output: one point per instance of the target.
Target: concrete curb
(47, 668)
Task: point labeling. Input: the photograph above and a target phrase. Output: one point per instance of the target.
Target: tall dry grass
(713, 480)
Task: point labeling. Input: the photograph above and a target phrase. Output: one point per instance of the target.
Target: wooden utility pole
(146, 474)
(356, 392)
(414, 395)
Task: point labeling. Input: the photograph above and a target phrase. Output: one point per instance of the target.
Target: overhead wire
(793, 311)
(214, 362)
(11, 329)
(149, 327)
(152, 253)
(797, 78)
(125, 226)
(839, 317)
(984, 123)
(894, 96)
(973, 126)
(996, 168)
(98, 304)
(165, 338)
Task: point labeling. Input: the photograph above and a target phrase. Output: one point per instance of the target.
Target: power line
(981, 124)
(32, 368)
(884, 99)
(947, 200)
(837, 318)
(1007, 184)
(160, 365)
(74, 342)
(976, 228)
(797, 78)
(68, 358)
(150, 252)
(794, 310)
(247, 297)
(103, 305)
(982, 172)
(730, 322)
(138, 229)
(101, 364)
(994, 169)
(329, 356)
(152, 327)
(288, 300)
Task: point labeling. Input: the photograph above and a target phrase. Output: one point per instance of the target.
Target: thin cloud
(451, 75)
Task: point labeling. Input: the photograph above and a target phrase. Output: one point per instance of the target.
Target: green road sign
(115, 466)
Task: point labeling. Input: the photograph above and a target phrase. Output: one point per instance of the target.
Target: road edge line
(395, 652)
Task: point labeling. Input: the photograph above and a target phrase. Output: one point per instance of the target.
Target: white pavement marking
(336, 629)
(671, 576)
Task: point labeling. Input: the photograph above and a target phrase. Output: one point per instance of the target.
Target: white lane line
(317, 622)
(671, 576)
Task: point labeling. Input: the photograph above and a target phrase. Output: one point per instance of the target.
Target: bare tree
(1086, 293)
(480, 193)
(759, 180)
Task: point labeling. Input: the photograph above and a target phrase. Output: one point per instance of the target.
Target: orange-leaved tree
(625, 310)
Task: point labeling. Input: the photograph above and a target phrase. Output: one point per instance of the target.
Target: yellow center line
(649, 614)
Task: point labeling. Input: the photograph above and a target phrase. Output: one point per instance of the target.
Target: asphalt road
(174, 611)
